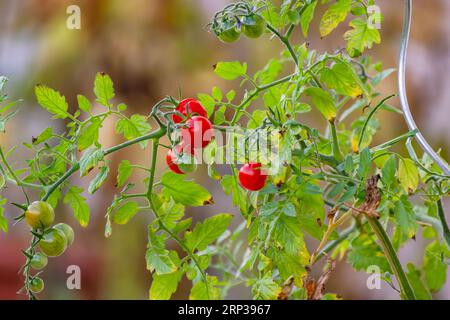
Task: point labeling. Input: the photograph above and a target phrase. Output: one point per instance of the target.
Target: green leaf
(52, 101)
(408, 174)
(163, 286)
(230, 70)
(307, 16)
(323, 102)
(186, 192)
(434, 267)
(3, 221)
(103, 89)
(99, 179)
(289, 252)
(126, 212)
(78, 204)
(133, 127)
(89, 134)
(365, 253)
(363, 35)
(207, 232)
(219, 115)
(341, 78)
(265, 289)
(205, 291)
(405, 216)
(231, 187)
(169, 212)
(207, 102)
(44, 136)
(158, 258)
(335, 14)
(388, 171)
(83, 103)
(90, 159)
(365, 159)
(217, 93)
(124, 172)
(270, 72)
(415, 279)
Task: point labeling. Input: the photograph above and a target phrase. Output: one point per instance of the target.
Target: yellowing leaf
(334, 15)
(408, 174)
(186, 192)
(362, 36)
(322, 101)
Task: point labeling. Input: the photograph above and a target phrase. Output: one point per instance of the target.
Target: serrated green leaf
(415, 279)
(52, 101)
(388, 171)
(83, 103)
(207, 102)
(322, 101)
(335, 14)
(163, 286)
(125, 212)
(205, 291)
(123, 172)
(90, 159)
(158, 258)
(103, 89)
(341, 78)
(362, 36)
(405, 216)
(434, 267)
(408, 174)
(133, 127)
(186, 192)
(365, 252)
(89, 134)
(265, 289)
(207, 232)
(78, 204)
(99, 179)
(230, 70)
(307, 16)
(44, 136)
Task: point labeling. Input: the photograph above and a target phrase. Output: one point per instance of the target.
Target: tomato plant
(353, 200)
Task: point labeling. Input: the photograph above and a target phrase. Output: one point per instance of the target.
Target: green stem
(445, 229)
(16, 179)
(285, 41)
(333, 244)
(336, 150)
(155, 134)
(254, 93)
(406, 290)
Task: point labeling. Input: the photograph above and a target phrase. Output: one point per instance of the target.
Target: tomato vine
(356, 200)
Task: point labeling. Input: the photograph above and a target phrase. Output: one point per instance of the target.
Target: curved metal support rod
(402, 91)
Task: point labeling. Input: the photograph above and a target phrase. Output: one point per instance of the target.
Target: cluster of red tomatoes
(196, 134)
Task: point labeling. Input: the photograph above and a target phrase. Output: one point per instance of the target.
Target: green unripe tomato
(53, 242)
(67, 230)
(36, 285)
(229, 35)
(253, 25)
(39, 261)
(39, 215)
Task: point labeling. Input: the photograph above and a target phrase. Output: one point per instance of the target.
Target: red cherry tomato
(251, 177)
(170, 160)
(189, 107)
(198, 133)
(180, 160)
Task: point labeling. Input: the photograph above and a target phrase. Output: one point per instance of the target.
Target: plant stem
(333, 244)
(254, 93)
(406, 290)
(336, 150)
(155, 134)
(16, 179)
(445, 229)
(285, 41)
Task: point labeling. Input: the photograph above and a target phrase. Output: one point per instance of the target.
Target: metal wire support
(402, 90)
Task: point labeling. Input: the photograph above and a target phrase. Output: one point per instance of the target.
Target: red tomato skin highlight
(191, 105)
(251, 176)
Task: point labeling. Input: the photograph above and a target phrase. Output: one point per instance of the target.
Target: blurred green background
(152, 48)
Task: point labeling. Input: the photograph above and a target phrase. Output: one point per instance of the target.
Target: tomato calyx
(252, 177)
